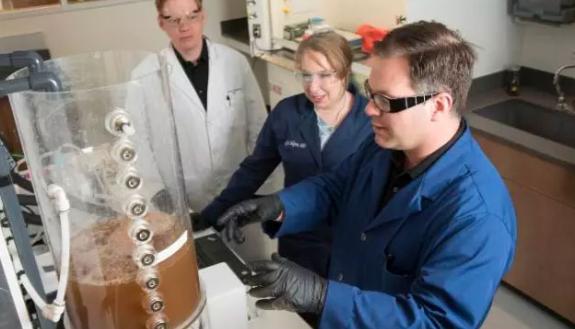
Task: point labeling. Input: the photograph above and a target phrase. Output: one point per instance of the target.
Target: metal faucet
(562, 104)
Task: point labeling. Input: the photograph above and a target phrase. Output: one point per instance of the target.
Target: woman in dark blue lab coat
(309, 133)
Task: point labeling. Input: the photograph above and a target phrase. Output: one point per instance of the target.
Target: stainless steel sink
(550, 124)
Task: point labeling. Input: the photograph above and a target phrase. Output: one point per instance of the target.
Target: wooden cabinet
(8, 132)
(23, 4)
(543, 193)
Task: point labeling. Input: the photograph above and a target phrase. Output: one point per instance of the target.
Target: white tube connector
(58, 195)
(54, 311)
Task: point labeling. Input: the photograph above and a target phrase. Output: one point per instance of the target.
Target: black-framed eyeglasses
(394, 105)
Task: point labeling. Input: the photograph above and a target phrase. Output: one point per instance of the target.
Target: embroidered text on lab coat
(294, 144)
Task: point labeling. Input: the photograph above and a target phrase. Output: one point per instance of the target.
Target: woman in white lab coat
(214, 139)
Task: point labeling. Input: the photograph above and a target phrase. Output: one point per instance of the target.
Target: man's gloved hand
(250, 211)
(290, 286)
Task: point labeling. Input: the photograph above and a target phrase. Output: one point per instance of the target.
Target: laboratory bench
(211, 251)
(277, 320)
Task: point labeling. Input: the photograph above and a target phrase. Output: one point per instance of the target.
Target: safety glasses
(394, 105)
(173, 21)
(324, 78)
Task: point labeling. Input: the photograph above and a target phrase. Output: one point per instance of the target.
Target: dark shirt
(399, 177)
(198, 73)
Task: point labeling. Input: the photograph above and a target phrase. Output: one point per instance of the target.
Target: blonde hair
(335, 49)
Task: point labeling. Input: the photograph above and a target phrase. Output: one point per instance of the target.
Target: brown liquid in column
(103, 292)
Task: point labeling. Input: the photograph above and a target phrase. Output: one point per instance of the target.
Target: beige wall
(546, 47)
(133, 26)
(126, 26)
(485, 23)
(349, 14)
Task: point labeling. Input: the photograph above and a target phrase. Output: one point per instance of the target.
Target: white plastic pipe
(54, 311)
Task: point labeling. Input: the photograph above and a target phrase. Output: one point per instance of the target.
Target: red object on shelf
(370, 35)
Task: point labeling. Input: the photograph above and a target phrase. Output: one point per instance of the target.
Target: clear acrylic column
(108, 140)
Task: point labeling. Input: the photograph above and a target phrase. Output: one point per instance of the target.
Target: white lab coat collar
(180, 79)
(213, 145)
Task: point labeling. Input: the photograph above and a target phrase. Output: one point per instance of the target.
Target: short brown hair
(440, 60)
(333, 46)
(160, 4)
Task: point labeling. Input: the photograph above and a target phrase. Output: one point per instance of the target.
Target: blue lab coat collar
(416, 195)
(309, 130)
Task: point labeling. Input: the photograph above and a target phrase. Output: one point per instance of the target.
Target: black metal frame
(37, 80)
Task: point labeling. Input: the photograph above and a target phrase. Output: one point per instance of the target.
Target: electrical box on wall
(268, 20)
(546, 11)
(259, 26)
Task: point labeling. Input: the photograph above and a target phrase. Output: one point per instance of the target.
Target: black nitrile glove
(290, 286)
(246, 212)
(198, 222)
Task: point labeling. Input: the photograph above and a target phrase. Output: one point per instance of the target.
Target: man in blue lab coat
(423, 226)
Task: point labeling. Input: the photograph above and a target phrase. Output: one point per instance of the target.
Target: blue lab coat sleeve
(312, 202)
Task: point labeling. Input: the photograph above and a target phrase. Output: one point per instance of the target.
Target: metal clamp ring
(123, 151)
(140, 231)
(145, 256)
(118, 123)
(129, 178)
(158, 321)
(136, 206)
(149, 279)
(154, 303)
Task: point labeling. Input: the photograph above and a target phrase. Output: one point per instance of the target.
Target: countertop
(532, 143)
(278, 320)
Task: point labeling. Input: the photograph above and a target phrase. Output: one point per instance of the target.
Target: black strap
(22, 182)
(27, 200)
(5, 181)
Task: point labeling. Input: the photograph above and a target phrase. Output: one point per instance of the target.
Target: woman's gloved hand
(246, 212)
(198, 222)
(288, 285)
